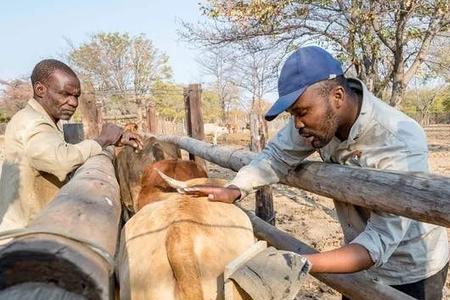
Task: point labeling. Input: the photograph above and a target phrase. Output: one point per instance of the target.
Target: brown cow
(153, 187)
(130, 167)
(177, 246)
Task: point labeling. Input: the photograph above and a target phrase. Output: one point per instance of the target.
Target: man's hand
(214, 193)
(110, 135)
(114, 135)
(132, 139)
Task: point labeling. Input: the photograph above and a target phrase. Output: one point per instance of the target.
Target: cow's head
(166, 176)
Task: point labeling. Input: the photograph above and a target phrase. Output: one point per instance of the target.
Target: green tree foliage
(122, 67)
(385, 41)
(423, 103)
(211, 106)
(169, 101)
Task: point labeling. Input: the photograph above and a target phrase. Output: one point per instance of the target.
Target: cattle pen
(70, 252)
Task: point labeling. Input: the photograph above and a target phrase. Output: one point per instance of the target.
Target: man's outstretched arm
(347, 259)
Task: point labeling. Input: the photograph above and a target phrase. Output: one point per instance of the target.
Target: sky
(34, 30)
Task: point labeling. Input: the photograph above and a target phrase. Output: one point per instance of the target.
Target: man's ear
(338, 96)
(39, 89)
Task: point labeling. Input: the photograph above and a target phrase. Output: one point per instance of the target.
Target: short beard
(328, 129)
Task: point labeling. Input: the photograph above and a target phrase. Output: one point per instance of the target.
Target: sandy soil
(312, 218)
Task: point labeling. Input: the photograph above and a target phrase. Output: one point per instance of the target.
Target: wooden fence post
(151, 118)
(100, 114)
(194, 117)
(89, 111)
(264, 198)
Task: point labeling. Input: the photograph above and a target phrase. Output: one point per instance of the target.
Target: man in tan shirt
(37, 159)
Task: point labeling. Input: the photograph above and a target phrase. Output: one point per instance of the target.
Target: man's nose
(73, 101)
(298, 123)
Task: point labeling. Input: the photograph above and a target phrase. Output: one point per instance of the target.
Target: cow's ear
(158, 153)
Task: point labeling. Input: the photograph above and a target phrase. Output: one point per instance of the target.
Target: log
(420, 196)
(351, 285)
(70, 245)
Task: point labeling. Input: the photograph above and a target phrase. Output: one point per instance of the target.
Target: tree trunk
(398, 91)
(398, 83)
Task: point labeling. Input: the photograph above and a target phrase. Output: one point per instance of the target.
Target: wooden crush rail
(71, 244)
(353, 285)
(420, 196)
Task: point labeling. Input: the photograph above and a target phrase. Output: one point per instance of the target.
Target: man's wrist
(236, 192)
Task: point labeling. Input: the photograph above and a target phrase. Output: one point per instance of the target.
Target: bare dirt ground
(312, 218)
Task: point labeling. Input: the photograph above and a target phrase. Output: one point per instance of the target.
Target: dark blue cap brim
(283, 103)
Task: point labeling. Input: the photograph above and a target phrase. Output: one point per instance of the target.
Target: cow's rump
(178, 248)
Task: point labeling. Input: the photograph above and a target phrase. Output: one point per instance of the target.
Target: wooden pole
(152, 121)
(421, 196)
(263, 197)
(100, 115)
(89, 112)
(351, 285)
(194, 117)
(72, 242)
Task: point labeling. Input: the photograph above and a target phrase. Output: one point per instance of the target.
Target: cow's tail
(184, 264)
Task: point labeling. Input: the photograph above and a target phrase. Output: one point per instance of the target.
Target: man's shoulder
(399, 126)
(25, 119)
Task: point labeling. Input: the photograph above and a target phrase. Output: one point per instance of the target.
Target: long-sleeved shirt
(403, 250)
(37, 162)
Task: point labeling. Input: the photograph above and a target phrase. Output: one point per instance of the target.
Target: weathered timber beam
(351, 285)
(420, 196)
(71, 243)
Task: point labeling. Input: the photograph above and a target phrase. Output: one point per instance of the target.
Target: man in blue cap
(348, 125)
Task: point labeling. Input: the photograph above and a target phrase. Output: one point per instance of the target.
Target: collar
(35, 105)
(366, 112)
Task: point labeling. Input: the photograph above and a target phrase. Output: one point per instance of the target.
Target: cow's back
(171, 234)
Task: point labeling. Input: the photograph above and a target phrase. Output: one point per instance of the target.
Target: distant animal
(215, 130)
(176, 246)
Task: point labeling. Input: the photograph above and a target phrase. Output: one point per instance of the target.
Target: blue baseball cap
(302, 69)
